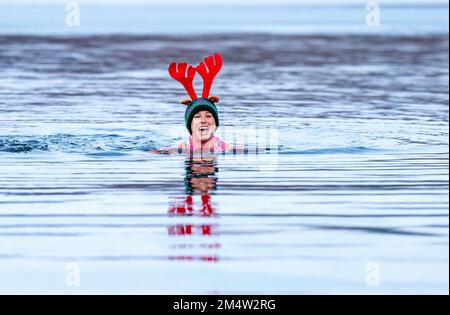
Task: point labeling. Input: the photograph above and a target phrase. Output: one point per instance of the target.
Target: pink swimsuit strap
(221, 144)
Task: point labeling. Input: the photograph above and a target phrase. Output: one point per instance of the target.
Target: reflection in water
(196, 240)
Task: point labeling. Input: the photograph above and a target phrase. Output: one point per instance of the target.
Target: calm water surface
(353, 199)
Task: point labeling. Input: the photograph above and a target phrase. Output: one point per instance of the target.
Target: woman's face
(203, 126)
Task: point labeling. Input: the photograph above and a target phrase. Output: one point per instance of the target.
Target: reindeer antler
(208, 76)
(178, 72)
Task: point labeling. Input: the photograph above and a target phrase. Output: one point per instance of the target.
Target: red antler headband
(207, 69)
(208, 76)
(185, 79)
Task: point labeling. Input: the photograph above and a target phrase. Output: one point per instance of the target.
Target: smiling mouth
(204, 130)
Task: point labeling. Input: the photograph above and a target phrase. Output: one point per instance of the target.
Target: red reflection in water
(185, 206)
(200, 180)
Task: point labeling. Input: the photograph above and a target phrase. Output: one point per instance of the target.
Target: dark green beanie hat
(197, 105)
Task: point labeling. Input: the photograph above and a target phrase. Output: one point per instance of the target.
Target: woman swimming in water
(201, 116)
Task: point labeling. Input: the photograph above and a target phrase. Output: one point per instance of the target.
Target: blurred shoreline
(412, 19)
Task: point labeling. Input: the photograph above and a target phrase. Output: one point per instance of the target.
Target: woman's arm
(170, 150)
(234, 148)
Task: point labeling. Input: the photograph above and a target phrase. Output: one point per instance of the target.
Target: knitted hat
(207, 69)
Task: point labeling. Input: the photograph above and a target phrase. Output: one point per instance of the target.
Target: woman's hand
(165, 151)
